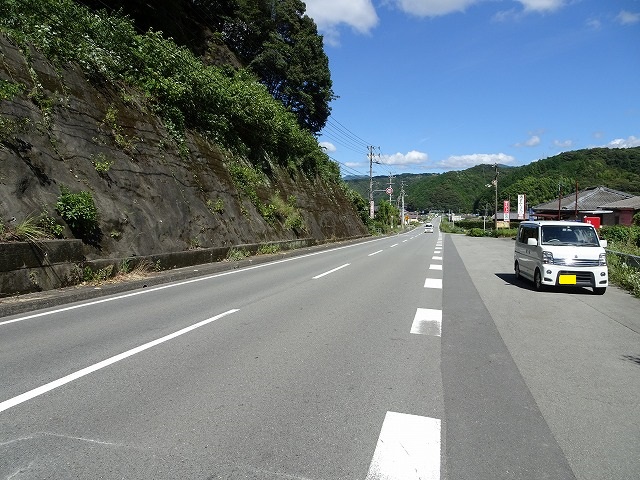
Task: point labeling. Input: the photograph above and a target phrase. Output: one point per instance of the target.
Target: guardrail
(631, 260)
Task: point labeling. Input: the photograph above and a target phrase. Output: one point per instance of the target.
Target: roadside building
(622, 211)
(590, 202)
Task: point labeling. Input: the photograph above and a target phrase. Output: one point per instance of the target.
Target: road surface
(405, 357)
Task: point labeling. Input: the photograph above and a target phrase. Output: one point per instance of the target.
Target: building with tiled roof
(590, 202)
(622, 211)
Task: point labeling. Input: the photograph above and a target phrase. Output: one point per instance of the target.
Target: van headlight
(603, 260)
(547, 257)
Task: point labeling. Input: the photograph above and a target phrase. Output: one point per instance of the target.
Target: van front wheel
(537, 281)
(599, 290)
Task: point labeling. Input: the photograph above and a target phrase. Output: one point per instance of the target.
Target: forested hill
(467, 191)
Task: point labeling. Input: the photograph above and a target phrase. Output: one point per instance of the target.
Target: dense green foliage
(80, 213)
(274, 40)
(471, 191)
(229, 107)
(625, 239)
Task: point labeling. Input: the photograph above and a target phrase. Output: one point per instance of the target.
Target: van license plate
(567, 280)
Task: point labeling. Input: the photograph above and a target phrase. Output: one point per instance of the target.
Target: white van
(561, 253)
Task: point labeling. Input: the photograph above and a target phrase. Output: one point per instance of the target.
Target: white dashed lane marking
(408, 449)
(427, 321)
(433, 283)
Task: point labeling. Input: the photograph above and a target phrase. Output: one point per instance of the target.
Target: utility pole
(495, 184)
(559, 199)
(371, 156)
(390, 189)
(402, 197)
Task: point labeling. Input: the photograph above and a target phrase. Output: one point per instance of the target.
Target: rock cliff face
(152, 195)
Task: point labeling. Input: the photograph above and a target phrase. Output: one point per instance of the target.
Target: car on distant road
(428, 228)
(561, 253)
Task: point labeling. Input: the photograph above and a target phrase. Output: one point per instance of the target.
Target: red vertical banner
(507, 209)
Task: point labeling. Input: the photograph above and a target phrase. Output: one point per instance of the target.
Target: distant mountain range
(471, 190)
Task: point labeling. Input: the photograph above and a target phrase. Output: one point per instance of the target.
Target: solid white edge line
(12, 402)
(185, 282)
(408, 448)
(331, 271)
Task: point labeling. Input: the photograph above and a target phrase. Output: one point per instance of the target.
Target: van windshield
(581, 236)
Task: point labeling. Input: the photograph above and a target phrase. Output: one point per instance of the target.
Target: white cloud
(532, 141)
(529, 6)
(330, 14)
(361, 15)
(411, 158)
(456, 162)
(628, 18)
(328, 147)
(433, 8)
(563, 143)
(542, 5)
(594, 24)
(624, 142)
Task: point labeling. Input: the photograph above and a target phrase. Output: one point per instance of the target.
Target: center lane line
(331, 271)
(374, 253)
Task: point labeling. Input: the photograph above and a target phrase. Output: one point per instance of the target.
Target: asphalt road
(416, 356)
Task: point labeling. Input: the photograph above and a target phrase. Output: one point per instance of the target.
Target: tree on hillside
(386, 213)
(281, 45)
(274, 39)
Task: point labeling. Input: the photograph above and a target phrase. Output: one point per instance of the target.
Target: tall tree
(281, 45)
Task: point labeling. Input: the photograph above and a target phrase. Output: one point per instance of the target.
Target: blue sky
(444, 85)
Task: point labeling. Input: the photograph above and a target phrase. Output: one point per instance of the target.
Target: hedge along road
(578, 353)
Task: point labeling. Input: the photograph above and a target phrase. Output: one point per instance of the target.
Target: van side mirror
(532, 241)
(603, 243)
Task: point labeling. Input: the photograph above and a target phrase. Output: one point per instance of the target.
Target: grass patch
(28, 230)
(122, 273)
(268, 249)
(237, 254)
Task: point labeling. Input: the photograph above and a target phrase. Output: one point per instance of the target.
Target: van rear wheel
(537, 281)
(517, 269)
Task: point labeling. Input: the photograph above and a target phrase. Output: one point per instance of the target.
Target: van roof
(553, 222)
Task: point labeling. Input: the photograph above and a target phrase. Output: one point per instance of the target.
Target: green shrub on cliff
(80, 213)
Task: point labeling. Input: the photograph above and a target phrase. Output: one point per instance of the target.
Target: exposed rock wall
(151, 199)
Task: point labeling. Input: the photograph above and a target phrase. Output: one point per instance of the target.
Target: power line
(339, 126)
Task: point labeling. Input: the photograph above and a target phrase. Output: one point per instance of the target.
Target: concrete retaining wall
(169, 261)
(33, 267)
(50, 264)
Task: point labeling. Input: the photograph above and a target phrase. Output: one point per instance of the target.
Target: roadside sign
(521, 206)
(389, 190)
